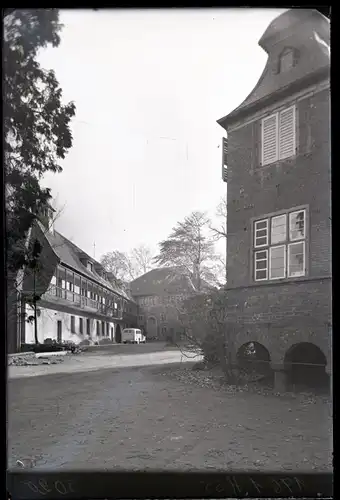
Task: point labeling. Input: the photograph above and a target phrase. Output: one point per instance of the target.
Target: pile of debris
(32, 360)
(215, 380)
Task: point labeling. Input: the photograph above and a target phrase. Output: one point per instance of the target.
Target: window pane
(277, 262)
(261, 264)
(261, 241)
(261, 275)
(278, 229)
(296, 256)
(261, 255)
(297, 225)
(261, 224)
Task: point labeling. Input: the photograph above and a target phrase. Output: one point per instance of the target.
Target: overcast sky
(148, 88)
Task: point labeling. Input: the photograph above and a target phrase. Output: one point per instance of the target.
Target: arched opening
(151, 328)
(254, 359)
(306, 367)
(118, 336)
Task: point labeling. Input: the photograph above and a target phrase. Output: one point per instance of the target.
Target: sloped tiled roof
(160, 281)
(69, 254)
(294, 28)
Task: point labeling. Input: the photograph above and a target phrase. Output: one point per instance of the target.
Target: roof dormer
(297, 44)
(287, 59)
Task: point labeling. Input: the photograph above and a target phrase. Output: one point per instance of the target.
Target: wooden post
(65, 283)
(74, 278)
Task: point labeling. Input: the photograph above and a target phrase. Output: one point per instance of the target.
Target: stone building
(158, 294)
(278, 174)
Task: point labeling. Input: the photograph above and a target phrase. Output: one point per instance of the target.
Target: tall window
(73, 324)
(278, 139)
(280, 246)
(81, 326)
(98, 328)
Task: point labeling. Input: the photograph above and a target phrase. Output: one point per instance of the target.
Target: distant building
(278, 173)
(78, 300)
(159, 294)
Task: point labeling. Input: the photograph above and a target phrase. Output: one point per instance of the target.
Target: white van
(133, 336)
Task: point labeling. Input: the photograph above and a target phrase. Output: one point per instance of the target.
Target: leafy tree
(36, 122)
(190, 249)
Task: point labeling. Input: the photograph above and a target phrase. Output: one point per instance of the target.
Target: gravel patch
(29, 360)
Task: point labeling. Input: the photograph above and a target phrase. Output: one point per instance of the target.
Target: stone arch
(253, 356)
(246, 337)
(151, 327)
(305, 364)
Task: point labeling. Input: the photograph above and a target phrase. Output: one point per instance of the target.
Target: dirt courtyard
(140, 418)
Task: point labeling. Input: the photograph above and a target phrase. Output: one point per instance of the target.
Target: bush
(27, 347)
(42, 348)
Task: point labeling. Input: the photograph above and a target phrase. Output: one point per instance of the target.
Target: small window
(261, 233)
(261, 265)
(297, 225)
(98, 328)
(163, 317)
(296, 259)
(278, 136)
(73, 323)
(286, 60)
(90, 266)
(103, 328)
(107, 329)
(81, 326)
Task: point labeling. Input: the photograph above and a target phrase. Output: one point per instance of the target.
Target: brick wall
(281, 315)
(171, 318)
(254, 191)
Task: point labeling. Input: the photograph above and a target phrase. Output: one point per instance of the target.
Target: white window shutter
(270, 139)
(287, 133)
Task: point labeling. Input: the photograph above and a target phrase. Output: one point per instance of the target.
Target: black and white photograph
(168, 239)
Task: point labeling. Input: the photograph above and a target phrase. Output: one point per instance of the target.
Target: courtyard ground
(143, 417)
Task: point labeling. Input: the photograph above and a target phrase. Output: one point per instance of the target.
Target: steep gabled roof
(301, 30)
(69, 254)
(163, 280)
(160, 281)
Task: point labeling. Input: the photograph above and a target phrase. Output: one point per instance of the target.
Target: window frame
(267, 229)
(289, 245)
(73, 324)
(254, 250)
(265, 269)
(273, 247)
(303, 238)
(277, 114)
(81, 326)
